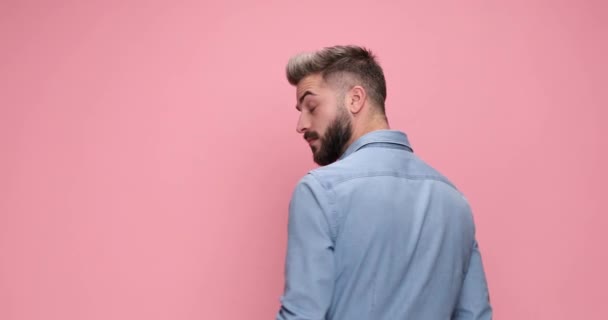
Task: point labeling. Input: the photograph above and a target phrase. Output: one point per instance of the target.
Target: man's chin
(315, 149)
(321, 161)
(315, 158)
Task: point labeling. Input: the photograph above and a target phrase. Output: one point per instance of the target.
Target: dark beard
(334, 141)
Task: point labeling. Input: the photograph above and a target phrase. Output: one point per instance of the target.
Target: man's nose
(303, 124)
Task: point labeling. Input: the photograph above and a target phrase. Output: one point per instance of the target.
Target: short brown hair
(330, 61)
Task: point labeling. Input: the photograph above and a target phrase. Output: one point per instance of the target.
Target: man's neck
(378, 123)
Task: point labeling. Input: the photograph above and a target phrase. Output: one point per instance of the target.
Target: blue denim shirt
(380, 235)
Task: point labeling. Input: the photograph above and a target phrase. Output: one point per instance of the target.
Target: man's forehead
(311, 83)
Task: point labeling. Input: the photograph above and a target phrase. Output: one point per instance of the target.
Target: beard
(334, 141)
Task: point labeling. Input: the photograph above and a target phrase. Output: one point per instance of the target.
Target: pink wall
(148, 151)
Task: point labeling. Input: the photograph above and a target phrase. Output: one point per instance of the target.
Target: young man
(374, 233)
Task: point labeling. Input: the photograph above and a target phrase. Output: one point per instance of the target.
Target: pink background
(148, 150)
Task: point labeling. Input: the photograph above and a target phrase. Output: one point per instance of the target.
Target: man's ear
(355, 99)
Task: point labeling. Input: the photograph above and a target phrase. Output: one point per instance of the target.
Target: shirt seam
(331, 202)
(396, 175)
(334, 225)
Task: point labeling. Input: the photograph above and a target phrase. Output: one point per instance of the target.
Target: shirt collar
(378, 136)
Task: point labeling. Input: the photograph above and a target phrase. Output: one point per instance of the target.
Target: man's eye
(312, 109)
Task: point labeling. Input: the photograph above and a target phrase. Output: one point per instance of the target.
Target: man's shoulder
(360, 165)
(325, 176)
(322, 176)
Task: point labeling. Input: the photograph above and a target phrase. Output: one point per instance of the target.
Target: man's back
(391, 239)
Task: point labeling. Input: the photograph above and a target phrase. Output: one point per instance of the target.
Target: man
(374, 233)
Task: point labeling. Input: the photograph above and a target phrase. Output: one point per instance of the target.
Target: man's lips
(310, 137)
(311, 140)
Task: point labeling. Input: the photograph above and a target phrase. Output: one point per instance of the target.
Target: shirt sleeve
(309, 265)
(474, 301)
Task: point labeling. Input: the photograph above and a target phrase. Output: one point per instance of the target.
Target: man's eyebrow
(308, 92)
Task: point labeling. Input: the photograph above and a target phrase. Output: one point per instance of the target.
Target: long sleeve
(309, 265)
(474, 301)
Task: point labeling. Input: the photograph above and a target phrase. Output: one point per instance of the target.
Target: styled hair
(340, 62)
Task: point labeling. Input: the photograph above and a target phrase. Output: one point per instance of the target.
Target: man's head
(340, 95)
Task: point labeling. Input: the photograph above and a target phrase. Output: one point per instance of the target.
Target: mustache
(311, 135)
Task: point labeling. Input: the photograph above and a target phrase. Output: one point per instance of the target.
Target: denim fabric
(381, 235)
